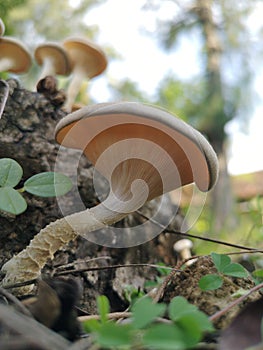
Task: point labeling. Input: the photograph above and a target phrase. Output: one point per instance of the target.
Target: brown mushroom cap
(141, 142)
(86, 54)
(2, 27)
(13, 50)
(56, 54)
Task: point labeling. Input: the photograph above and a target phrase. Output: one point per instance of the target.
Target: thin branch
(117, 316)
(111, 316)
(109, 267)
(82, 261)
(197, 237)
(21, 284)
(234, 303)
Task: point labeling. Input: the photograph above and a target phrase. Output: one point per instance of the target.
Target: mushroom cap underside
(86, 55)
(128, 141)
(57, 54)
(14, 50)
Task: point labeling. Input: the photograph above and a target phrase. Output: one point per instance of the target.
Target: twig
(21, 284)
(111, 316)
(234, 303)
(118, 316)
(168, 278)
(82, 261)
(110, 267)
(193, 236)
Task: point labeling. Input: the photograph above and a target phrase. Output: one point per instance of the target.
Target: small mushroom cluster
(78, 57)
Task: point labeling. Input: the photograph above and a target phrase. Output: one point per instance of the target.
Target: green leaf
(258, 273)
(235, 270)
(48, 184)
(220, 261)
(92, 325)
(104, 307)
(11, 201)
(164, 337)
(112, 334)
(178, 307)
(10, 172)
(210, 282)
(146, 311)
(193, 325)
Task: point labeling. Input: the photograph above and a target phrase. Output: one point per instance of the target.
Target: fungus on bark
(142, 151)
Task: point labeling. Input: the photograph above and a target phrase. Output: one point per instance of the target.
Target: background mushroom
(183, 248)
(53, 59)
(14, 57)
(143, 152)
(87, 61)
(2, 27)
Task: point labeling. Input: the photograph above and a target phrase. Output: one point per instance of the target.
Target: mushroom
(4, 92)
(87, 61)
(183, 247)
(2, 27)
(143, 152)
(14, 57)
(53, 59)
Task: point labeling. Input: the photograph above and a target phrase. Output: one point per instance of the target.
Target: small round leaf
(11, 201)
(48, 184)
(235, 270)
(10, 172)
(210, 282)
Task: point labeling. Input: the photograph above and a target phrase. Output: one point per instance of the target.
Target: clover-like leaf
(220, 261)
(235, 270)
(112, 335)
(178, 307)
(10, 172)
(48, 184)
(11, 201)
(145, 311)
(210, 282)
(164, 337)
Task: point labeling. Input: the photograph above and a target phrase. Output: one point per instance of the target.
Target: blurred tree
(7, 5)
(222, 91)
(50, 20)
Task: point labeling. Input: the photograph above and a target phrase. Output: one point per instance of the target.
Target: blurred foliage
(39, 21)
(7, 5)
(248, 230)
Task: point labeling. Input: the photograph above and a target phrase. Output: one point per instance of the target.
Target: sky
(123, 25)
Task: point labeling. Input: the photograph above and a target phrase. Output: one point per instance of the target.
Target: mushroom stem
(28, 263)
(73, 89)
(48, 68)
